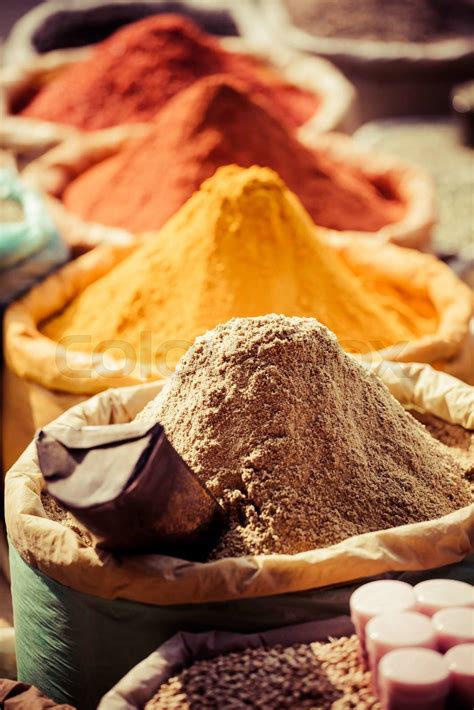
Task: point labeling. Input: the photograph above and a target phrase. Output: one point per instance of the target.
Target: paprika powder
(129, 77)
(217, 122)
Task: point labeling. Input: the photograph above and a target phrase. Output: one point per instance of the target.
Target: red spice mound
(216, 123)
(131, 76)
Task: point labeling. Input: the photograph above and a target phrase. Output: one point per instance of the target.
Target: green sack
(74, 647)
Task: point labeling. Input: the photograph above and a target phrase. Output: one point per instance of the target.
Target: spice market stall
(244, 410)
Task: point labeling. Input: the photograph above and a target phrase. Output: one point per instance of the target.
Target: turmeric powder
(243, 245)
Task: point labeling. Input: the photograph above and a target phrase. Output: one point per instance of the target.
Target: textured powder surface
(133, 74)
(56, 512)
(214, 123)
(460, 441)
(242, 246)
(299, 443)
(317, 675)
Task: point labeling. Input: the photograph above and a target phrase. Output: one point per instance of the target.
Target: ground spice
(56, 512)
(134, 73)
(300, 444)
(241, 246)
(460, 441)
(409, 20)
(212, 124)
(316, 675)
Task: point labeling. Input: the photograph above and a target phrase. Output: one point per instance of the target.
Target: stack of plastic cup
(375, 598)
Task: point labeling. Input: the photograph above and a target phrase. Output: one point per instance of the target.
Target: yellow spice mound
(242, 245)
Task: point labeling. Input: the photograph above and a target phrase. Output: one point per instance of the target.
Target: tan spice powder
(302, 446)
(318, 676)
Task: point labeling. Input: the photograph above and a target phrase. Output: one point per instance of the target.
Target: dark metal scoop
(129, 487)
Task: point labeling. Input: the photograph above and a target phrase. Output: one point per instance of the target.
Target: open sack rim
(32, 355)
(51, 173)
(336, 95)
(377, 54)
(144, 680)
(58, 551)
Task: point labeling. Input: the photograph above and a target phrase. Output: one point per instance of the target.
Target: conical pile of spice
(300, 444)
(241, 246)
(133, 74)
(216, 123)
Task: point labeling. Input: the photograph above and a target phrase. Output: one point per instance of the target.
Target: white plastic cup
(390, 632)
(413, 679)
(436, 594)
(460, 661)
(375, 598)
(453, 627)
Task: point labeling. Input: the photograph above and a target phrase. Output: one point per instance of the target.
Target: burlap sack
(29, 138)
(42, 379)
(451, 347)
(415, 188)
(182, 650)
(59, 553)
(52, 172)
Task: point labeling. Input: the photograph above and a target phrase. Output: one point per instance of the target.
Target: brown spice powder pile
(298, 442)
(318, 676)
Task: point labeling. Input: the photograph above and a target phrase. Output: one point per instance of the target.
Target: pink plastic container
(460, 661)
(374, 598)
(390, 632)
(436, 594)
(413, 679)
(453, 627)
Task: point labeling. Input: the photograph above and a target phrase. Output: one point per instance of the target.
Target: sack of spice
(63, 340)
(95, 88)
(51, 177)
(217, 122)
(404, 57)
(281, 665)
(62, 584)
(29, 138)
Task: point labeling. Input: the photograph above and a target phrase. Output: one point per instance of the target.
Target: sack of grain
(137, 688)
(100, 613)
(220, 668)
